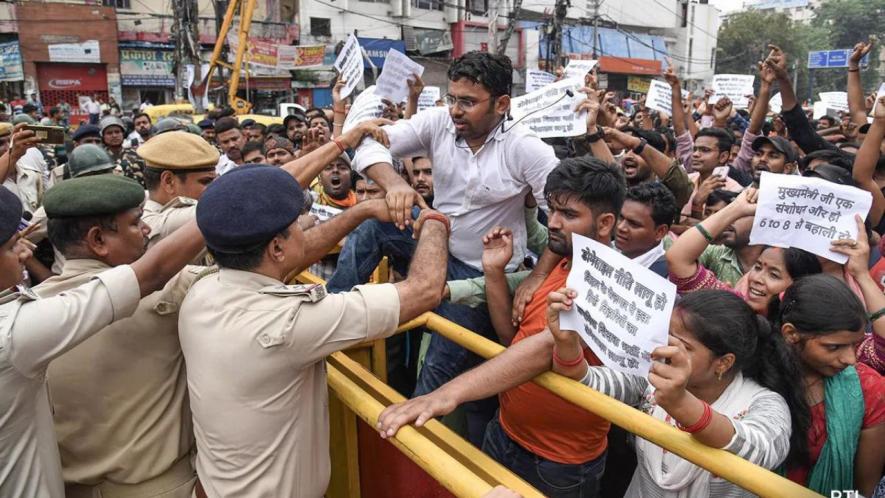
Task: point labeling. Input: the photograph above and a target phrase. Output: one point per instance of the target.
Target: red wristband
(571, 363)
(702, 423)
(440, 218)
(340, 145)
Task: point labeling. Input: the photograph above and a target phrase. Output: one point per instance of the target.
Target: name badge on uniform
(313, 292)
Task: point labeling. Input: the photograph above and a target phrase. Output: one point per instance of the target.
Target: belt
(177, 475)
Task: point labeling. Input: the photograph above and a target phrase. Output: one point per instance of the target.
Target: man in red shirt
(552, 444)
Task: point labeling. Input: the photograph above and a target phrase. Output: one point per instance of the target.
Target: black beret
(10, 214)
(93, 196)
(206, 123)
(247, 207)
(85, 131)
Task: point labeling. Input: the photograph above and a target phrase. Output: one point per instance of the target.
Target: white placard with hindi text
(550, 111)
(578, 69)
(623, 309)
(660, 97)
(350, 65)
(536, 79)
(776, 103)
(324, 213)
(835, 100)
(808, 213)
(734, 86)
(367, 105)
(428, 97)
(398, 71)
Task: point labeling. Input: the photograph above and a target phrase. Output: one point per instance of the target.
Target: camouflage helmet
(89, 159)
(109, 121)
(167, 124)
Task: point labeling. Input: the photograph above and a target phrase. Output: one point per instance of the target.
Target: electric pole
(494, 12)
(559, 13)
(511, 24)
(185, 32)
(596, 5)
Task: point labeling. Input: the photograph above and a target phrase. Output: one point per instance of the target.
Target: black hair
(142, 115)
(821, 304)
(658, 198)
(835, 157)
(323, 117)
(724, 138)
(252, 146)
(829, 118)
(655, 139)
(54, 110)
(724, 323)
(721, 195)
(277, 129)
(492, 71)
(260, 126)
(246, 260)
(798, 263)
(152, 176)
(596, 183)
(670, 138)
(226, 123)
(70, 231)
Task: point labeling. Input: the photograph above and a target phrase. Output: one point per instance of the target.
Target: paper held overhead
(350, 65)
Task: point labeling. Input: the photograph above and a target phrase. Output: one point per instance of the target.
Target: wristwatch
(599, 135)
(641, 147)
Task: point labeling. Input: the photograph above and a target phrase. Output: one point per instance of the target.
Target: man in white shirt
(93, 109)
(484, 165)
(231, 139)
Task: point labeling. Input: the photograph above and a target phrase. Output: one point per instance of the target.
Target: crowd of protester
(147, 266)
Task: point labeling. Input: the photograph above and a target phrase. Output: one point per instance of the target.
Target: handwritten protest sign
(535, 79)
(776, 103)
(428, 97)
(398, 71)
(835, 100)
(324, 213)
(808, 213)
(577, 69)
(366, 106)
(623, 309)
(734, 86)
(550, 112)
(350, 65)
(660, 97)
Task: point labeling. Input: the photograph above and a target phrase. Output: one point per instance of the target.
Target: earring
(720, 376)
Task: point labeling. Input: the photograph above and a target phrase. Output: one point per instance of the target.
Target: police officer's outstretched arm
(423, 289)
(162, 261)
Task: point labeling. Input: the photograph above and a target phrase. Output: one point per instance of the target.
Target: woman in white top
(724, 377)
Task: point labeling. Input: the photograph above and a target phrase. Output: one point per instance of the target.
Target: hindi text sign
(535, 79)
(623, 309)
(734, 86)
(550, 111)
(808, 213)
(398, 71)
(350, 65)
(428, 97)
(577, 69)
(367, 105)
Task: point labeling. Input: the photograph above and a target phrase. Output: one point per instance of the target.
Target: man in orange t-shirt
(552, 444)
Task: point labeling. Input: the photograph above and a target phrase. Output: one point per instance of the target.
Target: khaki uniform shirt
(165, 219)
(40, 234)
(257, 378)
(34, 332)
(119, 399)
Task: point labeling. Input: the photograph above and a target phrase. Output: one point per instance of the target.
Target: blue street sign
(823, 59)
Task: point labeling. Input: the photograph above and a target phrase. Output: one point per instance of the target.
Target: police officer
(86, 134)
(255, 347)
(34, 331)
(127, 161)
(178, 168)
(207, 130)
(118, 398)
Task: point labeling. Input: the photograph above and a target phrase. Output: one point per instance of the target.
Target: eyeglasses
(463, 104)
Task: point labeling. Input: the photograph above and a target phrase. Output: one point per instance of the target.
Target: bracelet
(877, 315)
(440, 218)
(853, 70)
(599, 135)
(704, 232)
(641, 147)
(336, 123)
(701, 424)
(340, 145)
(571, 363)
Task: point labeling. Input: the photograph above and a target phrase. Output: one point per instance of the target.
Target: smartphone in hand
(54, 135)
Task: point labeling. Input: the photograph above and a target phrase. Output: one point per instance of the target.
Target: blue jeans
(445, 360)
(553, 479)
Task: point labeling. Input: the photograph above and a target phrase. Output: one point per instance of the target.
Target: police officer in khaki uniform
(119, 398)
(34, 331)
(178, 168)
(255, 347)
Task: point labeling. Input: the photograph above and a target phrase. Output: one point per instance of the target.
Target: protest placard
(428, 97)
(550, 111)
(350, 65)
(623, 309)
(879, 95)
(808, 213)
(776, 103)
(660, 97)
(835, 100)
(324, 213)
(577, 69)
(398, 71)
(734, 86)
(535, 79)
(367, 105)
